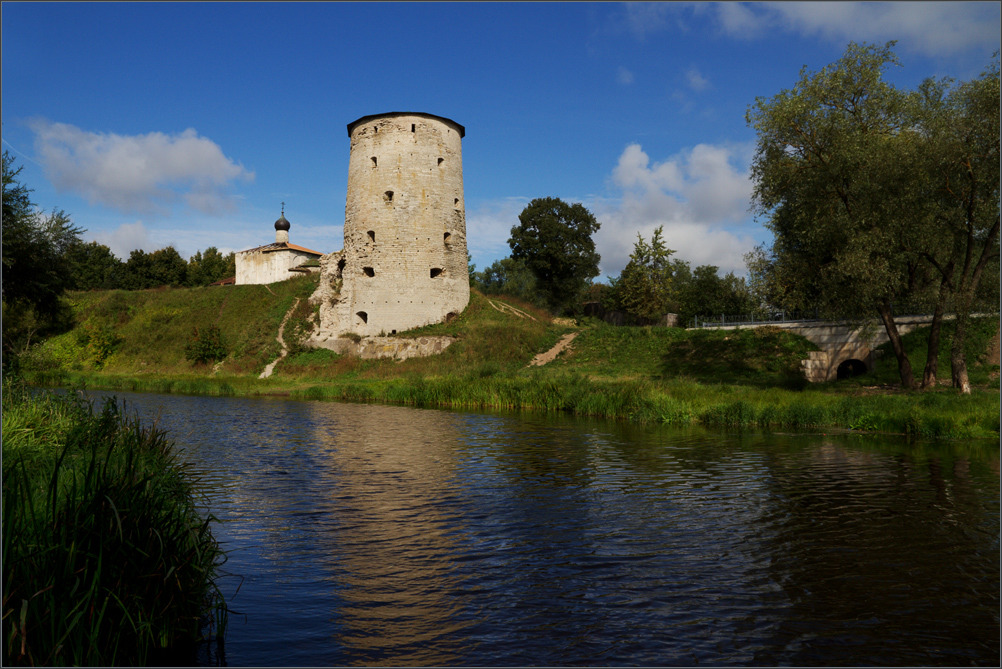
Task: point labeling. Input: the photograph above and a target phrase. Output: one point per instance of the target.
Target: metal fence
(753, 319)
(724, 320)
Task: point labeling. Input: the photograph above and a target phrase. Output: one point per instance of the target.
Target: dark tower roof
(366, 119)
(282, 223)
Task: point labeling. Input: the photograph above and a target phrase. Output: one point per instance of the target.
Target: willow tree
(961, 153)
(835, 175)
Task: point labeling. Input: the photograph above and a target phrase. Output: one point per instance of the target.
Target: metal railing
(724, 320)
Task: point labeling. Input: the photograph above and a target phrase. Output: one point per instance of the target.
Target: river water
(381, 535)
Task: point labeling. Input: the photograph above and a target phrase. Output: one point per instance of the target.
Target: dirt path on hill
(550, 355)
(285, 351)
(508, 309)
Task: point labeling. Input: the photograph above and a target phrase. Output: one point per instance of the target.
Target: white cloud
(643, 18)
(937, 28)
(127, 238)
(488, 227)
(701, 197)
(624, 76)
(696, 81)
(931, 28)
(738, 19)
(138, 173)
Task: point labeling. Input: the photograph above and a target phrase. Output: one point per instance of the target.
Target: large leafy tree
(879, 197)
(704, 292)
(210, 266)
(836, 174)
(94, 267)
(163, 267)
(35, 270)
(554, 240)
(961, 152)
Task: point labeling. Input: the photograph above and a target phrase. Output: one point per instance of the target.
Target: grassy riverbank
(106, 560)
(740, 378)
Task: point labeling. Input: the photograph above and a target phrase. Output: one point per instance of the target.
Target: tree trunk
(932, 352)
(904, 366)
(965, 295)
(958, 361)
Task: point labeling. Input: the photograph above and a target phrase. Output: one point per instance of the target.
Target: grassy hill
(137, 340)
(145, 332)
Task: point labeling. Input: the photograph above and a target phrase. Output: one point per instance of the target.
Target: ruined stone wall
(404, 261)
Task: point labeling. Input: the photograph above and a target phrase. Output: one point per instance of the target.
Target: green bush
(206, 346)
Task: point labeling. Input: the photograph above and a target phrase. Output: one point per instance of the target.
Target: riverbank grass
(106, 558)
(748, 377)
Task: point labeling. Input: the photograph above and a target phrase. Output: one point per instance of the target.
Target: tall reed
(106, 558)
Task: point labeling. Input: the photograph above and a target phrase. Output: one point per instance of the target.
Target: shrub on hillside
(206, 346)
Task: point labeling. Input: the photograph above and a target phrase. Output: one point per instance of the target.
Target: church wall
(255, 267)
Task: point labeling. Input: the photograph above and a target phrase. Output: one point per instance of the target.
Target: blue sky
(187, 124)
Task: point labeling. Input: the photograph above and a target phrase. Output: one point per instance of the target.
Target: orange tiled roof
(283, 246)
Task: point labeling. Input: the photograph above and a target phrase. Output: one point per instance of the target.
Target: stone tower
(404, 261)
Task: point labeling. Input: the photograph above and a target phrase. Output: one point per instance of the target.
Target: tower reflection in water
(391, 473)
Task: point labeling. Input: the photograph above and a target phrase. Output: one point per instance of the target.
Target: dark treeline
(93, 266)
(652, 285)
(44, 256)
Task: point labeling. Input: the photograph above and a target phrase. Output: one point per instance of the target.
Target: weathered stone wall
(404, 260)
(257, 266)
(389, 347)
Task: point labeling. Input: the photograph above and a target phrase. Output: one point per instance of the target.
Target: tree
(703, 292)
(880, 197)
(168, 268)
(835, 172)
(961, 133)
(164, 267)
(209, 267)
(644, 287)
(554, 240)
(507, 276)
(137, 273)
(94, 267)
(35, 272)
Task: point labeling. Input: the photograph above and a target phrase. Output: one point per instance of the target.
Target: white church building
(274, 262)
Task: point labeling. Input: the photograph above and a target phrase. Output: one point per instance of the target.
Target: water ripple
(364, 535)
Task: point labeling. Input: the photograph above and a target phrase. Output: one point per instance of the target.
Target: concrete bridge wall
(839, 342)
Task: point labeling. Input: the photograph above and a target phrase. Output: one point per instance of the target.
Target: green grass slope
(735, 378)
(145, 332)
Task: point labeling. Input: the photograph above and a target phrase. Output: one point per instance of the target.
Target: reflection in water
(364, 535)
(393, 470)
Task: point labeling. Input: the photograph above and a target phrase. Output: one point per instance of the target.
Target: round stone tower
(404, 262)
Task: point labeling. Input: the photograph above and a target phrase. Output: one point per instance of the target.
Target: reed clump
(107, 560)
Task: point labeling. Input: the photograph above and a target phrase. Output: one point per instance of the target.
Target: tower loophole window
(440, 161)
(446, 237)
(364, 317)
(413, 127)
(372, 235)
(436, 272)
(368, 271)
(388, 196)
(374, 161)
